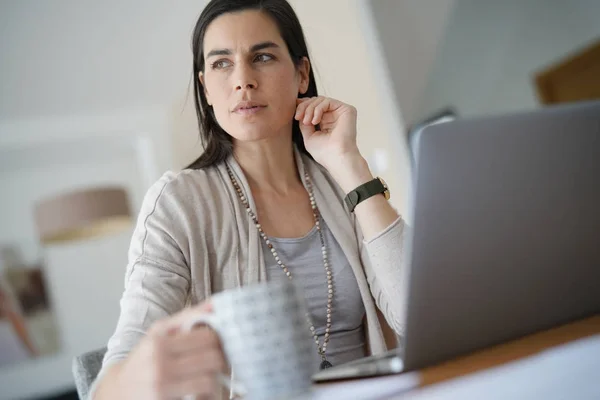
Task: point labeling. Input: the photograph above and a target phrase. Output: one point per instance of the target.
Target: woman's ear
(201, 79)
(304, 75)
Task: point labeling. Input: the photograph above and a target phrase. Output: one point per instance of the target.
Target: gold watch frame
(386, 192)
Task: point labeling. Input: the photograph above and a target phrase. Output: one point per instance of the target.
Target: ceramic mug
(266, 339)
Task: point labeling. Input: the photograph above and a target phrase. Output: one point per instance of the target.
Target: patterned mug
(266, 339)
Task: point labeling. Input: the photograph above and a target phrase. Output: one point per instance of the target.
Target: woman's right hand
(169, 363)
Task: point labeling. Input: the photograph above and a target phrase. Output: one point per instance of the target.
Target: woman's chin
(253, 133)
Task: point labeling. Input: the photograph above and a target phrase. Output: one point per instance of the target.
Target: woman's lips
(250, 110)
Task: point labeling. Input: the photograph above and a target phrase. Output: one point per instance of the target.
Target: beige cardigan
(193, 238)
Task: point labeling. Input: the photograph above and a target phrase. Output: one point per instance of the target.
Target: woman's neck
(269, 164)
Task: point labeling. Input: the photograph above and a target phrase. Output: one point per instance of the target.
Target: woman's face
(249, 78)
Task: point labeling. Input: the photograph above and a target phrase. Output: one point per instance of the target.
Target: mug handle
(210, 320)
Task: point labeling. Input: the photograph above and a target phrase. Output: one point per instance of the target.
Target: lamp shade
(82, 214)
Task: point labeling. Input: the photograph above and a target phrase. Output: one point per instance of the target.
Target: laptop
(505, 236)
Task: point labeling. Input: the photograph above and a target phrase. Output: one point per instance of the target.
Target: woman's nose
(245, 79)
(245, 85)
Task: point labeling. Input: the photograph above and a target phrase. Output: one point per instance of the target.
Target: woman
(265, 201)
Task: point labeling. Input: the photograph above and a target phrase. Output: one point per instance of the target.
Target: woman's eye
(263, 58)
(220, 64)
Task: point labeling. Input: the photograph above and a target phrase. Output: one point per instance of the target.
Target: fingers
(195, 340)
(203, 387)
(301, 107)
(191, 372)
(173, 324)
(307, 130)
(194, 373)
(310, 111)
(199, 363)
(319, 110)
(302, 114)
(191, 361)
(305, 110)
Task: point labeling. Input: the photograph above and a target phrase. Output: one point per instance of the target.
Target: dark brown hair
(217, 143)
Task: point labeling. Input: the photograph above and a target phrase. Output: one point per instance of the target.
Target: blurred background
(95, 96)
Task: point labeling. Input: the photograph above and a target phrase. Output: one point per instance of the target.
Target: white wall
(409, 32)
(70, 57)
(67, 58)
(493, 48)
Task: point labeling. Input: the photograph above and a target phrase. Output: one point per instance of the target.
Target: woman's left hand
(336, 138)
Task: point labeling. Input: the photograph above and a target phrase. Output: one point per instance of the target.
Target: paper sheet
(569, 372)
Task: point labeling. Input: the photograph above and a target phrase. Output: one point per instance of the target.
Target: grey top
(304, 260)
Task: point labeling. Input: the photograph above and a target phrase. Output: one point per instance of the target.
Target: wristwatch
(366, 190)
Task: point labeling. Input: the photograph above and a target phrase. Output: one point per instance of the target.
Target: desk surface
(511, 351)
(563, 362)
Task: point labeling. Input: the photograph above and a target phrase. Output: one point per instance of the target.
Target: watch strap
(363, 192)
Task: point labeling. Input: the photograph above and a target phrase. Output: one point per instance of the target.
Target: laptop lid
(506, 229)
